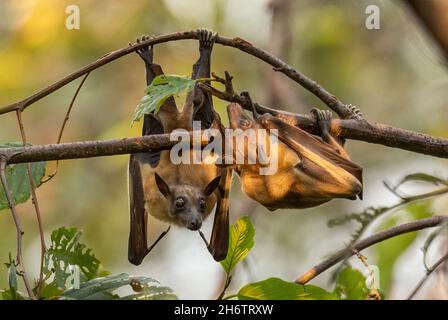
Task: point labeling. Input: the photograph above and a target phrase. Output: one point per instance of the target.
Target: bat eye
(179, 203)
(202, 204)
(244, 122)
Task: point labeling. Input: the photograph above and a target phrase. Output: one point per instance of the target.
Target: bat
(311, 170)
(179, 194)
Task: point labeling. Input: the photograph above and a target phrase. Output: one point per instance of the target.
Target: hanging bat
(183, 194)
(311, 170)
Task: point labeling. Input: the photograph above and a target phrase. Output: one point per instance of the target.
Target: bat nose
(194, 224)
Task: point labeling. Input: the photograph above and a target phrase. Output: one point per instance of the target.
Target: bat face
(188, 206)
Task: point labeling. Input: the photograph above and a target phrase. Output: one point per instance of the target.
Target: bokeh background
(395, 75)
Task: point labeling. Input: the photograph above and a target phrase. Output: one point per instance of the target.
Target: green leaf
(66, 250)
(17, 179)
(7, 295)
(161, 88)
(278, 289)
(241, 240)
(103, 288)
(389, 251)
(351, 285)
(51, 291)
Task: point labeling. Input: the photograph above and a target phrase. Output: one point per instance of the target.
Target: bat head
(188, 205)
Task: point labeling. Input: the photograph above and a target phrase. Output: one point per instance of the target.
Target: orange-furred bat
(311, 170)
(180, 194)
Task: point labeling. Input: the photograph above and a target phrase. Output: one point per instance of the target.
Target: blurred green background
(394, 75)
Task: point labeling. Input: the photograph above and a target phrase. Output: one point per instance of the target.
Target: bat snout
(234, 112)
(194, 224)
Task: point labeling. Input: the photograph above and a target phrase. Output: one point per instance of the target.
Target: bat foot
(206, 38)
(146, 53)
(355, 112)
(323, 118)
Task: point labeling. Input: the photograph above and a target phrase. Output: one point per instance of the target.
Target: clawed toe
(145, 53)
(207, 37)
(355, 112)
(321, 115)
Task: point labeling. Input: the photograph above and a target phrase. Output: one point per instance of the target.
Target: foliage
(278, 289)
(65, 251)
(241, 240)
(389, 251)
(17, 179)
(102, 289)
(60, 282)
(351, 285)
(161, 88)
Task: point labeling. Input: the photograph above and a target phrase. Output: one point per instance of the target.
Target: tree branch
(278, 65)
(367, 242)
(19, 230)
(89, 149)
(356, 129)
(436, 265)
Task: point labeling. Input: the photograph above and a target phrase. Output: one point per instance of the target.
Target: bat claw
(206, 38)
(146, 53)
(323, 119)
(321, 115)
(355, 112)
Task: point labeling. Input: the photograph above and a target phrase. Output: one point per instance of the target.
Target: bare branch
(43, 247)
(329, 99)
(19, 230)
(96, 148)
(367, 242)
(356, 129)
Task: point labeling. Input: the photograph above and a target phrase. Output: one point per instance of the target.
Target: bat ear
(212, 186)
(161, 184)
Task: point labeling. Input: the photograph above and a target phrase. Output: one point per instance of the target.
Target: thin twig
(43, 247)
(19, 230)
(367, 242)
(328, 98)
(428, 274)
(66, 118)
(226, 286)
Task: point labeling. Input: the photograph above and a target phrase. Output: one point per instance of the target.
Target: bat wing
(137, 245)
(298, 139)
(219, 240)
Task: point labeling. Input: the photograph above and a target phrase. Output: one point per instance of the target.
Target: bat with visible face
(179, 194)
(311, 170)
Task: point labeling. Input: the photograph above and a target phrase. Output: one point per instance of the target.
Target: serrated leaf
(17, 179)
(161, 88)
(241, 240)
(66, 250)
(351, 285)
(278, 289)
